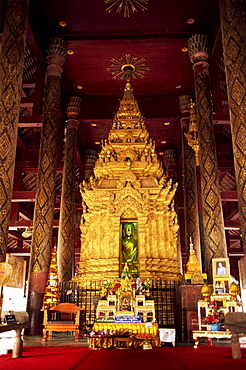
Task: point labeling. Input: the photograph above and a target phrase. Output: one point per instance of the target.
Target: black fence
(162, 292)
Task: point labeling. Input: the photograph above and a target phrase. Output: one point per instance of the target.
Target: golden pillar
(212, 215)
(191, 215)
(11, 72)
(45, 191)
(234, 49)
(66, 236)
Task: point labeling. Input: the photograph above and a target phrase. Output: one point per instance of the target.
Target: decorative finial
(192, 136)
(198, 48)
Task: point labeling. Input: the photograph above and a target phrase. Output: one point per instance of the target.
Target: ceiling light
(70, 52)
(167, 123)
(184, 49)
(178, 86)
(190, 20)
(161, 153)
(93, 124)
(79, 87)
(63, 23)
(97, 142)
(163, 141)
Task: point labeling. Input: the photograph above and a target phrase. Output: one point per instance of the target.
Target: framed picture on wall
(221, 268)
(18, 264)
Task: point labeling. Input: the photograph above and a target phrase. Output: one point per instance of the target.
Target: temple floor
(68, 340)
(63, 354)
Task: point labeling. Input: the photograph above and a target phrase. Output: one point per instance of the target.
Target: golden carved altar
(126, 315)
(128, 206)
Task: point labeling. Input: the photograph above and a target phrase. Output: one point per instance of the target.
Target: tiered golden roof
(52, 292)
(128, 186)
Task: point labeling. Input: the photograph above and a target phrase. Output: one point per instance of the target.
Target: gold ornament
(205, 292)
(127, 5)
(234, 290)
(127, 66)
(128, 186)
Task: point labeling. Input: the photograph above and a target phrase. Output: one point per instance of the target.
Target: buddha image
(129, 246)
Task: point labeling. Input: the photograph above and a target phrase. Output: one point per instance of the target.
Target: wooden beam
(21, 144)
(229, 196)
(30, 121)
(25, 223)
(232, 224)
(23, 196)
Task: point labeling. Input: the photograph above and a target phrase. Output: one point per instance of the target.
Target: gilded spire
(128, 115)
(193, 267)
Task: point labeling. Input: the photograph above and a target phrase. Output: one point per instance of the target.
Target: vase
(147, 344)
(215, 326)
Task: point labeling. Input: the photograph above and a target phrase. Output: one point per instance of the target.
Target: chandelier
(119, 65)
(126, 6)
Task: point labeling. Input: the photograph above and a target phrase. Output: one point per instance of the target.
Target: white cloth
(167, 335)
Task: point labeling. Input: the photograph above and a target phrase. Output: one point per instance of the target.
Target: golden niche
(128, 205)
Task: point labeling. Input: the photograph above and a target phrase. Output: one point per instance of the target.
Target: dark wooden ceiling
(96, 36)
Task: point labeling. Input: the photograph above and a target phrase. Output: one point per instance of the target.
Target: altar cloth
(167, 335)
(133, 328)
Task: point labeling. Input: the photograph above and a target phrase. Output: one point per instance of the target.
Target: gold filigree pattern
(11, 70)
(66, 236)
(118, 65)
(213, 223)
(45, 191)
(234, 46)
(190, 191)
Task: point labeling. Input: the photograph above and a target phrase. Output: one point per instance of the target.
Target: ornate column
(170, 162)
(66, 236)
(90, 157)
(45, 191)
(11, 71)
(213, 223)
(234, 48)
(189, 183)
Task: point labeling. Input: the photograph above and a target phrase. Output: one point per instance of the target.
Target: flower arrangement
(100, 333)
(214, 316)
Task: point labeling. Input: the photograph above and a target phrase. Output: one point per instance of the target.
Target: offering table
(209, 334)
(118, 329)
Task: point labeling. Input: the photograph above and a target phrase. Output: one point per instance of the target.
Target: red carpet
(82, 358)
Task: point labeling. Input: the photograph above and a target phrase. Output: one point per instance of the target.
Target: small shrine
(194, 273)
(126, 314)
(222, 299)
(126, 301)
(224, 295)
